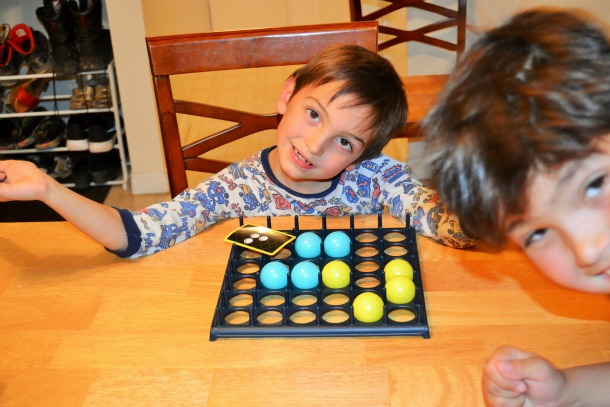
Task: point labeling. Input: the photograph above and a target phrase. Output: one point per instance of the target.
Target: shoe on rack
(62, 167)
(105, 167)
(10, 61)
(50, 133)
(102, 133)
(33, 47)
(102, 98)
(92, 40)
(26, 95)
(81, 170)
(25, 136)
(8, 128)
(39, 60)
(77, 132)
(82, 98)
(57, 166)
(57, 21)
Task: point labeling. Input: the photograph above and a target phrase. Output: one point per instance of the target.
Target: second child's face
(566, 228)
(319, 137)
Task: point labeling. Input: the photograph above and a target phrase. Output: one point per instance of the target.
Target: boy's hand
(22, 181)
(513, 377)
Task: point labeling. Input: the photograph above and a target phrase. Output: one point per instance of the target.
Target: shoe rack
(58, 103)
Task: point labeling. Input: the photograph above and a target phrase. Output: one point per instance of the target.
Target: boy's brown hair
(370, 79)
(528, 96)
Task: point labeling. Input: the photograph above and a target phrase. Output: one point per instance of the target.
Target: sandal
(26, 96)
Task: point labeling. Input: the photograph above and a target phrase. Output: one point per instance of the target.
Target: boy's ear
(285, 95)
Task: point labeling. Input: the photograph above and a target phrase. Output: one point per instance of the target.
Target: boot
(92, 41)
(56, 19)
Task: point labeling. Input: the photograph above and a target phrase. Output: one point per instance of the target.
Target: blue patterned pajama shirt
(250, 189)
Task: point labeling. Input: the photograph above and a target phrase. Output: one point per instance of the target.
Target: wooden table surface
(81, 327)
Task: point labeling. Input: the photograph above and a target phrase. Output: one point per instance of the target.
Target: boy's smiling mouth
(300, 157)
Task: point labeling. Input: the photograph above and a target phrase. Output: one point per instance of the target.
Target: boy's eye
(313, 114)
(344, 143)
(593, 188)
(533, 237)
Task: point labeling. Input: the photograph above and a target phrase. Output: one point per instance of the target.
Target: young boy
(339, 111)
(520, 149)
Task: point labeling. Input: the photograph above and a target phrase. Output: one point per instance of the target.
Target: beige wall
(130, 21)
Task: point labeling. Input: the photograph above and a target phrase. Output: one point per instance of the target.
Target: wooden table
(79, 326)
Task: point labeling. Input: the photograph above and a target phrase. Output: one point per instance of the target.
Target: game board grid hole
(367, 250)
(394, 237)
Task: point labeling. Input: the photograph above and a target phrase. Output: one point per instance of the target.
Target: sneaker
(50, 133)
(25, 136)
(33, 47)
(102, 133)
(39, 60)
(82, 98)
(77, 132)
(105, 167)
(102, 98)
(62, 167)
(10, 61)
(81, 171)
(7, 134)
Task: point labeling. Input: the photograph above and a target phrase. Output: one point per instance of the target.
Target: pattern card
(259, 238)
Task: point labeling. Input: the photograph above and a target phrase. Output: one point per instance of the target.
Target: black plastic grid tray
(246, 309)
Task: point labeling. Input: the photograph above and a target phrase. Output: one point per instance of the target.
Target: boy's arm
(429, 215)
(514, 377)
(23, 181)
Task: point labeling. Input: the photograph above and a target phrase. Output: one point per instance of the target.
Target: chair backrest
(448, 18)
(216, 51)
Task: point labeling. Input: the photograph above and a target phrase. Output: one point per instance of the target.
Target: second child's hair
(370, 79)
(528, 96)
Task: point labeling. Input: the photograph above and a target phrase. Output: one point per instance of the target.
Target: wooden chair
(449, 18)
(184, 54)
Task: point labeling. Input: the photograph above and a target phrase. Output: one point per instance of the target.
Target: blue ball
(308, 245)
(337, 244)
(274, 275)
(304, 275)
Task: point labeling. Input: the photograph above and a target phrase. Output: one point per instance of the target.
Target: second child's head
(346, 83)
(519, 143)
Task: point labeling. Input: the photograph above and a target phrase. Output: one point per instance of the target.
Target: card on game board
(259, 238)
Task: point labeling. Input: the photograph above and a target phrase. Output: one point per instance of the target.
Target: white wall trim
(149, 183)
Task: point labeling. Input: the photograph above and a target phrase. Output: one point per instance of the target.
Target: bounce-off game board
(327, 282)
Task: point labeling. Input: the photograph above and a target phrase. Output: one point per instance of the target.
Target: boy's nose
(590, 247)
(315, 142)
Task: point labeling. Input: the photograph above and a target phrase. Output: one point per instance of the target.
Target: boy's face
(566, 228)
(318, 137)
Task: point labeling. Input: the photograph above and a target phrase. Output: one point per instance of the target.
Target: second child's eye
(593, 188)
(533, 237)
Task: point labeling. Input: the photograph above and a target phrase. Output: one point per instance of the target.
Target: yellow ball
(398, 267)
(336, 274)
(368, 307)
(400, 290)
